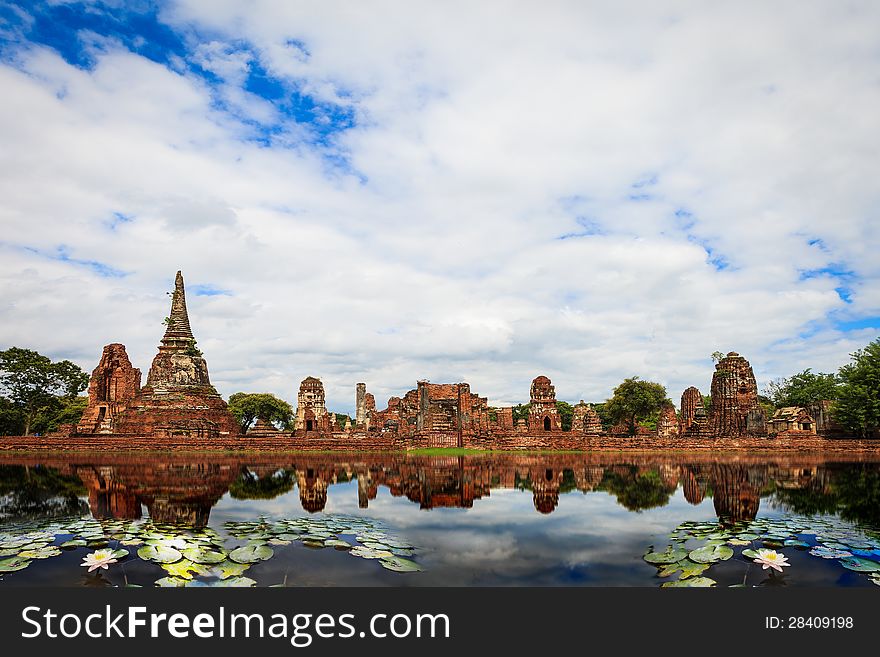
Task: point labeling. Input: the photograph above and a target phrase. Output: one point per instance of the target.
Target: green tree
(248, 486)
(33, 384)
(566, 411)
(634, 400)
(520, 412)
(858, 396)
(11, 419)
(602, 412)
(68, 410)
(248, 407)
(802, 389)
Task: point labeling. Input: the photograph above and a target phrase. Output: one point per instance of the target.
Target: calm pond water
(398, 520)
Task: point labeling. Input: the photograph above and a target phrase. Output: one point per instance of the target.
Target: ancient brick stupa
(178, 399)
(543, 415)
(735, 408)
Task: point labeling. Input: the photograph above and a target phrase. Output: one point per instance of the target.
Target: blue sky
(396, 192)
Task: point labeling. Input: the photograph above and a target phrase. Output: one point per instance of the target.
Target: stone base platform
(361, 442)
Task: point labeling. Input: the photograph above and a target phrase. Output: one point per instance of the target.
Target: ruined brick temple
(178, 399)
(178, 407)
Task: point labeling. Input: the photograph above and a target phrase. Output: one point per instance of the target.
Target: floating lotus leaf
(691, 582)
(402, 552)
(35, 545)
(176, 543)
(168, 582)
(338, 544)
(313, 543)
(14, 563)
(793, 542)
(40, 553)
(738, 542)
(159, 553)
(746, 536)
(251, 553)
(203, 555)
(711, 554)
(278, 541)
(860, 565)
(690, 568)
(74, 543)
(119, 554)
(131, 541)
(11, 552)
(668, 569)
(829, 553)
(241, 582)
(399, 565)
(367, 553)
(229, 569)
(184, 568)
(671, 555)
(374, 545)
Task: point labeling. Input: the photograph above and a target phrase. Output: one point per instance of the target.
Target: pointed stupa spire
(178, 321)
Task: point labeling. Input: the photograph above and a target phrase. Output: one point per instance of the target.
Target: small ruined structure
(735, 408)
(503, 419)
(793, 421)
(365, 406)
(263, 428)
(543, 414)
(114, 384)
(443, 414)
(311, 412)
(667, 423)
(585, 420)
(178, 399)
(699, 427)
(691, 399)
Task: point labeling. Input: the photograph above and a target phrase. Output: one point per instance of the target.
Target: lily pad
(203, 555)
(169, 582)
(690, 569)
(691, 582)
(40, 553)
(241, 582)
(793, 542)
(710, 554)
(159, 554)
(367, 553)
(13, 564)
(185, 569)
(400, 565)
(750, 554)
(337, 543)
(670, 555)
(75, 543)
(860, 565)
(251, 553)
(229, 569)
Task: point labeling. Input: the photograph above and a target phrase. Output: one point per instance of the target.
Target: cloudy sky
(389, 191)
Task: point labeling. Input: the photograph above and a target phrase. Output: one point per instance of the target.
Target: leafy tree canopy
(802, 389)
(249, 407)
(34, 385)
(566, 411)
(634, 400)
(858, 396)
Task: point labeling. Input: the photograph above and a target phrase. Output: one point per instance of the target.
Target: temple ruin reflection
(183, 490)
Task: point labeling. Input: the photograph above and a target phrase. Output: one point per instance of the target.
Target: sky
(483, 192)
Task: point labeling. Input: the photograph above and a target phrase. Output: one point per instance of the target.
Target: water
(401, 520)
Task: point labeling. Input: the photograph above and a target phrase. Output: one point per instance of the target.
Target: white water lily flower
(98, 559)
(771, 559)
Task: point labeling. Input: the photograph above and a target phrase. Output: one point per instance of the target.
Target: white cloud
(482, 133)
